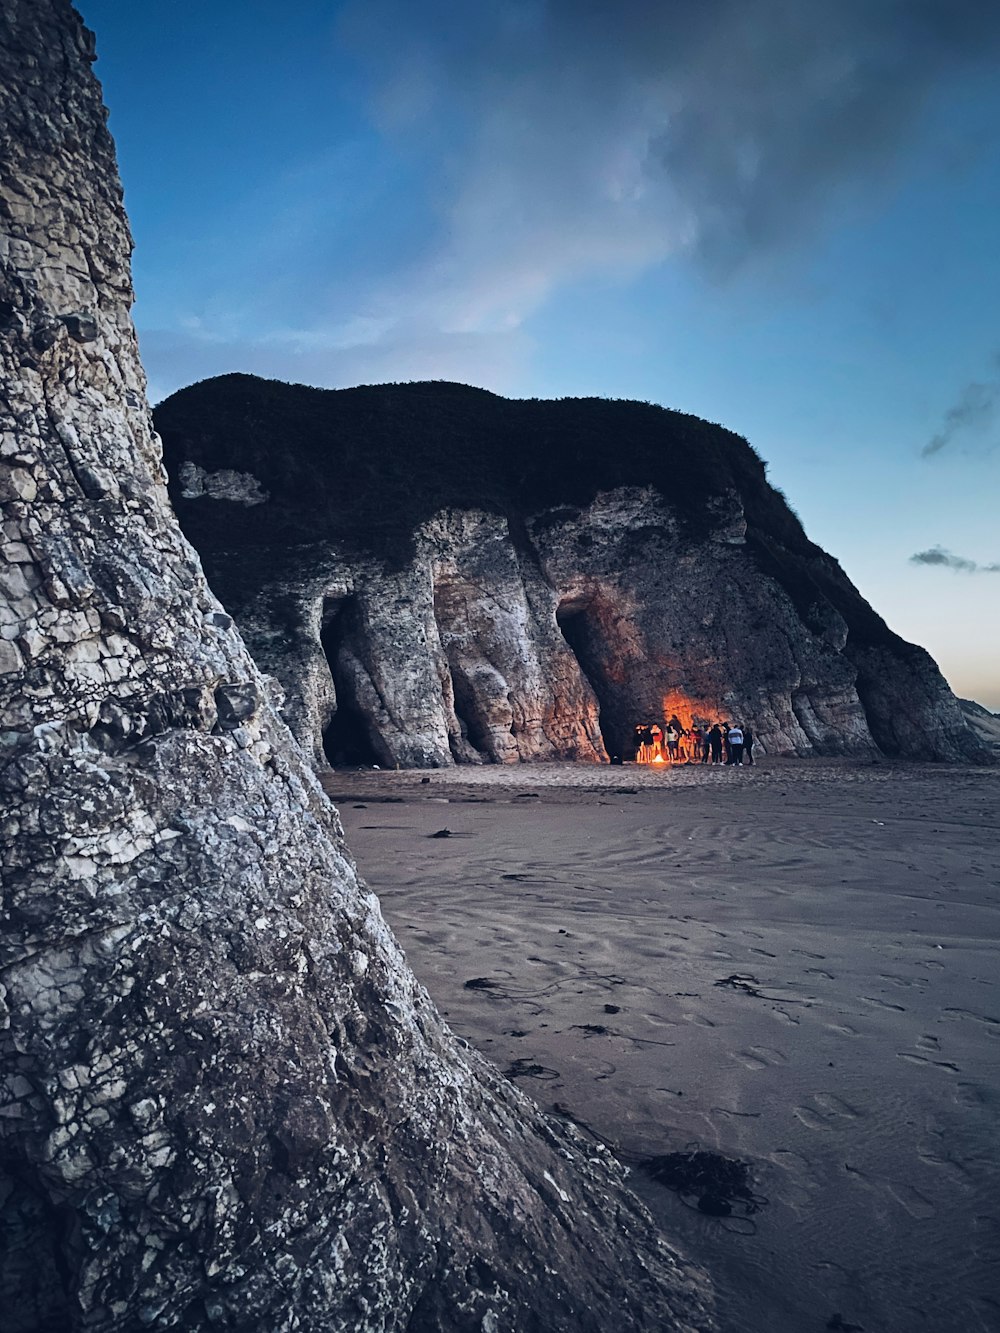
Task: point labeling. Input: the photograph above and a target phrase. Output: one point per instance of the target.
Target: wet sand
(794, 965)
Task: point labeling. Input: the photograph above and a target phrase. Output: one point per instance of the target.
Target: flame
(658, 759)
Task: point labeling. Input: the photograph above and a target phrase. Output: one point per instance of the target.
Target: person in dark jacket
(748, 745)
(715, 743)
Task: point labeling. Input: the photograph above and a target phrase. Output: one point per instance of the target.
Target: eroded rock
(225, 1103)
(440, 575)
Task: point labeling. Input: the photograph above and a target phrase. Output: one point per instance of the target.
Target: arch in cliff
(585, 625)
(347, 737)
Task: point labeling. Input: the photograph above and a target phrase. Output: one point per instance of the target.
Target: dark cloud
(937, 555)
(591, 134)
(972, 415)
(790, 109)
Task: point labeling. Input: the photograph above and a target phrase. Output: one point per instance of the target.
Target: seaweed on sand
(716, 1185)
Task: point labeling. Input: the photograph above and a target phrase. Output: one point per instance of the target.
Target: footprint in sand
(830, 1109)
(799, 1185)
(835, 1105)
(883, 1004)
(970, 1095)
(923, 1060)
(698, 1019)
(760, 1057)
(894, 979)
(925, 1042)
(948, 1165)
(811, 1119)
(913, 1201)
(791, 1160)
(844, 1029)
(785, 1016)
(970, 1016)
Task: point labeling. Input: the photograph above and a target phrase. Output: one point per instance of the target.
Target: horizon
(777, 221)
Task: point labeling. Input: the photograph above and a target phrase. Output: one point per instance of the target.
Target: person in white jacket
(736, 744)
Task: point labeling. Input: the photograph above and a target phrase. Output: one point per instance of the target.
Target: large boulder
(225, 1102)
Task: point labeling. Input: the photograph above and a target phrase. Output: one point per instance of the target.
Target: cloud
(973, 414)
(937, 555)
(591, 137)
(522, 146)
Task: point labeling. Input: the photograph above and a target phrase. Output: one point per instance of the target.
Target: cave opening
(464, 703)
(347, 741)
(580, 624)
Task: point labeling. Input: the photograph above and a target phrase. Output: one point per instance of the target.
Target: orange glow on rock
(689, 709)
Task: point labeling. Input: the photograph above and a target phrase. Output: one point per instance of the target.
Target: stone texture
(538, 619)
(225, 1103)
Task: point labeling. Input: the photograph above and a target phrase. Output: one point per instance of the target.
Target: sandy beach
(793, 965)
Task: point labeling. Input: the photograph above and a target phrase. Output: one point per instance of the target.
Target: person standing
(643, 743)
(694, 742)
(748, 745)
(727, 755)
(672, 739)
(656, 731)
(715, 743)
(735, 745)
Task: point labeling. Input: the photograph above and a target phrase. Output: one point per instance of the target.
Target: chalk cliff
(436, 575)
(225, 1103)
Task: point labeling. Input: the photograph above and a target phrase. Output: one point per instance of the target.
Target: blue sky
(778, 214)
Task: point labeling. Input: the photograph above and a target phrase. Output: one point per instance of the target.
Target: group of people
(722, 743)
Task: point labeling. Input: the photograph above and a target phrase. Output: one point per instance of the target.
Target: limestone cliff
(225, 1103)
(436, 574)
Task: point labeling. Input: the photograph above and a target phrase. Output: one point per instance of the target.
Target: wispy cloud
(599, 137)
(971, 416)
(546, 142)
(937, 555)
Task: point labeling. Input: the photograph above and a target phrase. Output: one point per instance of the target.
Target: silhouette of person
(715, 743)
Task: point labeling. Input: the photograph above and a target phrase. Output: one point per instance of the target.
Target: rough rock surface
(985, 724)
(439, 575)
(224, 1101)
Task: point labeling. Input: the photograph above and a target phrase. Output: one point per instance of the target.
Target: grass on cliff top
(366, 466)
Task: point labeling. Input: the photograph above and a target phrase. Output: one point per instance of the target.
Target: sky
(781, 215)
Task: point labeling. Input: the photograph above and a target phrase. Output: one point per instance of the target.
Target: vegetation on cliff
(364, 467)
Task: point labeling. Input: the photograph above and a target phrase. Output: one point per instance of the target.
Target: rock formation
(224, 1101)
(439, 575)
(985, 724)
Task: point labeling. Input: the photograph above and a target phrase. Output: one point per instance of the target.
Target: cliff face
(438, 575)
(224, 1100)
